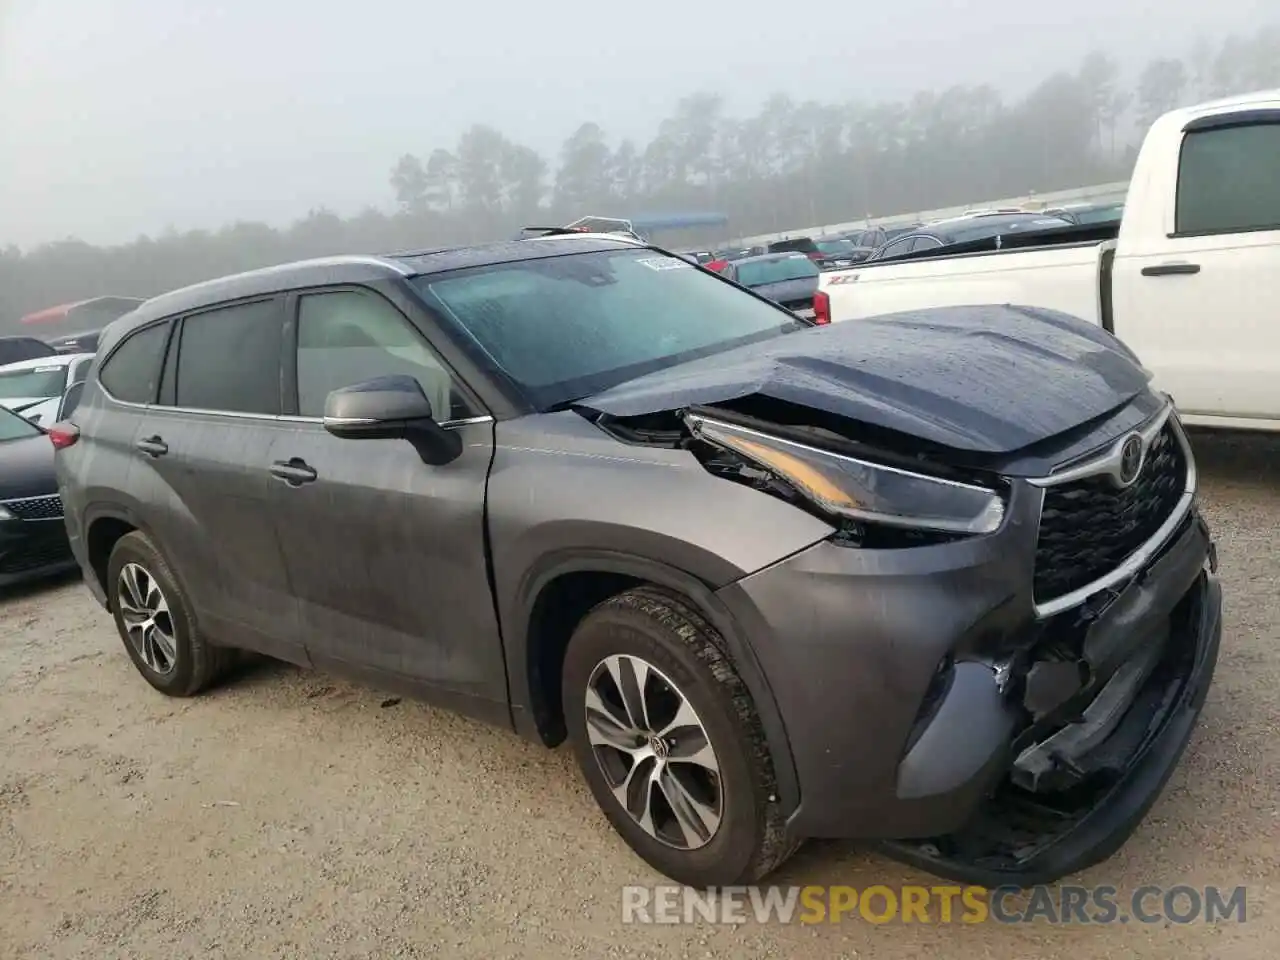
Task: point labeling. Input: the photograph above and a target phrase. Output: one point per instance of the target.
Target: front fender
(565, 497)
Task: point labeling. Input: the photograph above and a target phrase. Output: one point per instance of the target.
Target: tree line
(790, 165)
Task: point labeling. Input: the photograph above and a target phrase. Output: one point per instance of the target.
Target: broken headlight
(868, 492)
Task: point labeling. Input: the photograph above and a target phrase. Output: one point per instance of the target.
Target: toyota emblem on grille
(1131, 453)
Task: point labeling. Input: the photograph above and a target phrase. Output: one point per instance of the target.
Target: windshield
(48, 381)
(759, 272)
(569, 326)
(13, 427)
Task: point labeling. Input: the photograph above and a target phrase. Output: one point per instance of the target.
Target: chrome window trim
(1142, 556)
(265, 417)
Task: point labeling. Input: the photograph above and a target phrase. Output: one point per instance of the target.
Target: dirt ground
(291, 814)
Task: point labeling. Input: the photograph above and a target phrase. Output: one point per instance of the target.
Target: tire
(684, 655)
(183, 661)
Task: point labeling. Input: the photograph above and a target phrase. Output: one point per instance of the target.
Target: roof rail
(532, 233)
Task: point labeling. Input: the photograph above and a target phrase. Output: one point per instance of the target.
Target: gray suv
(936, 580)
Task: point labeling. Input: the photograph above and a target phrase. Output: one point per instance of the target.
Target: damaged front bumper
(1018, 768)
(1074, 789)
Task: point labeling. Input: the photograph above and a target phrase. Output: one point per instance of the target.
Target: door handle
(1170, 269)
(294, 471)
(152, 446)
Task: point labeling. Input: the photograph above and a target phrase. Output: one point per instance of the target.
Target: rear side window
(229, 359)
(132, 372)
(1229, 180)
(897, 249)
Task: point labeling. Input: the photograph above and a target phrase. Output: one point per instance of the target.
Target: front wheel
(669, 741)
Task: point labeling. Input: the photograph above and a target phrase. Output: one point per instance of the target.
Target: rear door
(201, 464)
(1199, 300)
(386, 553)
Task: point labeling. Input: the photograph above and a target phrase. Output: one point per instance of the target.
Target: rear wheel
(668, 739)
(153, 618)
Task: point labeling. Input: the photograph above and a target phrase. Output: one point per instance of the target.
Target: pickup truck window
(1229, 180)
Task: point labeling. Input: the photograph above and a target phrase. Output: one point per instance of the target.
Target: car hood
(28, 468)
(787, 290)
(988, 380)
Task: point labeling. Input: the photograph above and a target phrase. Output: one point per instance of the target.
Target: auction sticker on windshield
(665, 263)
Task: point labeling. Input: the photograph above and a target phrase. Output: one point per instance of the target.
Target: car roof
(362, 269)
(993, 219)
(53, 360)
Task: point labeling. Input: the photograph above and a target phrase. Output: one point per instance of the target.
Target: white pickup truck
(1190, 281)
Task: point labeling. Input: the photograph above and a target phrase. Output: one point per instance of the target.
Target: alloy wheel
(654, 752)
(148, 623)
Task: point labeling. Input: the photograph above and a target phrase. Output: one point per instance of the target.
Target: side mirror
(390, 408)
(70, 400)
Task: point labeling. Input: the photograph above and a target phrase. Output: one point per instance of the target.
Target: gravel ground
(291, 814)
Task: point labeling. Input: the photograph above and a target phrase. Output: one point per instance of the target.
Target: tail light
(63, 435)
(821, 309)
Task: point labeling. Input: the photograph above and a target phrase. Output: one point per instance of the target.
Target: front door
(1198, 299)
(385, 553)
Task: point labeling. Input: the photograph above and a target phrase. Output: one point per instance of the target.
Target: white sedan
(34, 388)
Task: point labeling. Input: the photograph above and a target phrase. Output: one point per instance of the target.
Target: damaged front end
(1097, 712)
(1075, 621)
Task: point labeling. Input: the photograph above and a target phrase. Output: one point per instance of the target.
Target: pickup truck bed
(1189, 280)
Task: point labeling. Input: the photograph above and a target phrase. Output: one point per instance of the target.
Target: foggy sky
(121, 117)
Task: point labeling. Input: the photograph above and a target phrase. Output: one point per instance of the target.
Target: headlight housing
(872, 493)
(5, 513)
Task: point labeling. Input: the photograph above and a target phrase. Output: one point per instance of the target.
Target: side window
(229, 359)
(348, 336)
(1229, 180)
(898, 248)
(925, 243)
(132, 371)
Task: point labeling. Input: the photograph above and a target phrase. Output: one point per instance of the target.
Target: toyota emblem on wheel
(1130, 460)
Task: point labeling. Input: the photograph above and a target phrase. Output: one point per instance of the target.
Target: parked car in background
(789, 279)
(33, 538)
(84, 342)
(15, 349)
(1088, 212)
(1189, 279)
(72, 318)
(978, 226)
(903, 578)
(806, 245)
(34, 388)
(874, 237)
(840, 253)
(722, 257)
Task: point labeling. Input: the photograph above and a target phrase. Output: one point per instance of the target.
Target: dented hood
(984, 379)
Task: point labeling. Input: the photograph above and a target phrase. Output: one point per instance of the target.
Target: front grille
(36, 508)
(32, 553)
(1088, 527)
